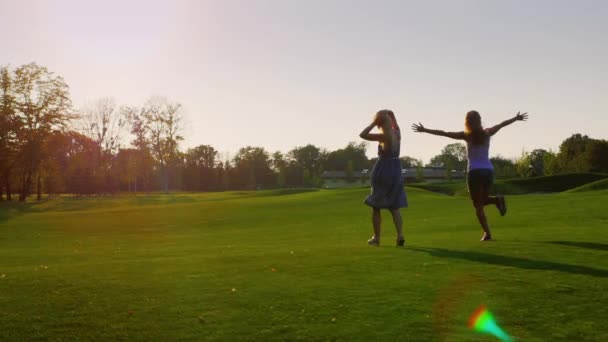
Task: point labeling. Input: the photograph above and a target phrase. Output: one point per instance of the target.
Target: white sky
(285, 73)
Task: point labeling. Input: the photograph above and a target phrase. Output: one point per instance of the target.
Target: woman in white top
(480, 175)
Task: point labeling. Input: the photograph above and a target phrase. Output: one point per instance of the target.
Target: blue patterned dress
(387, 180)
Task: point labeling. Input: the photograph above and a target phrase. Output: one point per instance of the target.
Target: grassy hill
(597, 185)
(294, 265)
(519, 186)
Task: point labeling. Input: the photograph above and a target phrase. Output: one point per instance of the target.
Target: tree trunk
(7, 186)
(165, 174)
(25, 189)
(39, 188)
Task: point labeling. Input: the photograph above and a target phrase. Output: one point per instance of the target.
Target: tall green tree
(537, 161)
(252, 168)
(164, 121)
(572, 156)
(143, 159)
(409, 162)
(550, 164)
(503, 167)
(280, 166)
(305, 164)
(199, 168)
(354, 152)
(157, 127)
(452, 157)
(43, 105)
(10, 125)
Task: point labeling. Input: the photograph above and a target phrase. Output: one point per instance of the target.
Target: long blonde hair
(385, 120)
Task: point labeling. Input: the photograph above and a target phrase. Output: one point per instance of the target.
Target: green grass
(292, 265)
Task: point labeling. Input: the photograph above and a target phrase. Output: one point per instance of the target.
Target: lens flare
(483, 321)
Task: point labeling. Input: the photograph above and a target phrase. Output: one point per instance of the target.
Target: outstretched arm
(365, 134)
(518, 117)
(454, 135)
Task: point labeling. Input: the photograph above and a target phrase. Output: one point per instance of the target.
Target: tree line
(48, 147)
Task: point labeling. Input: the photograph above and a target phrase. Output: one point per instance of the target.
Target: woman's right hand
(418, 127)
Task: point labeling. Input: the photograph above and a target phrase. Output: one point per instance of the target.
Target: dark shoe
(400, 243)
(501, 204)
(373, 241)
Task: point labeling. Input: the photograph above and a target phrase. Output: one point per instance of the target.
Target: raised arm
(365, 134)
(454, 135)
(518, 117)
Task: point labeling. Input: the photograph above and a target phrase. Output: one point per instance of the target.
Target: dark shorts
(480, 179)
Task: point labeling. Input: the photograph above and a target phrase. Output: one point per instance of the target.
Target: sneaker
(501, 204)
(486, 237)
(400, 243)
(373, 241)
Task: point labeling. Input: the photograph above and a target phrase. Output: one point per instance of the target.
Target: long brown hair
(473, 129)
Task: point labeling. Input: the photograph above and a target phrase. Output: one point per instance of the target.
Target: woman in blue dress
(386, 177)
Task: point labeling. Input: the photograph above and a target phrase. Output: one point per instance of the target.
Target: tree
(419, 173)
(523, 165)
(550, 164)
(597, 155)
(579, 153)
(300, 159)
(125, 168)
(350, 171)
(43, 105)
(200, 163)
(157, 126)
(103, 122)
(338, 160)
(225, 174)
(571, 154)
(503, 167)
(453, 156)
(279, 165)
(536, 160)
(10, 126)
(409, 162)
(69, 164)
(143, 159)
(252, 168)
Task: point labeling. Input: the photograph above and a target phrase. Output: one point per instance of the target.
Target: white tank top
(479, 156)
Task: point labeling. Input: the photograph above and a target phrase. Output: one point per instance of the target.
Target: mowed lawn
(281, 265)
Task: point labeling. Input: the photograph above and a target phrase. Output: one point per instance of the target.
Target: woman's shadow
(510, 261)
(588, 245)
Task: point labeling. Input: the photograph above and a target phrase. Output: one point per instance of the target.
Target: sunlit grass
(276, 265)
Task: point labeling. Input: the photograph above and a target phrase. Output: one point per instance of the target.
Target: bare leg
(398, 221)
(481, 216)
(479, 201)
(376, 221)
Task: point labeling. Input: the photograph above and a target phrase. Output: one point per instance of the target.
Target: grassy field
(294, 265)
